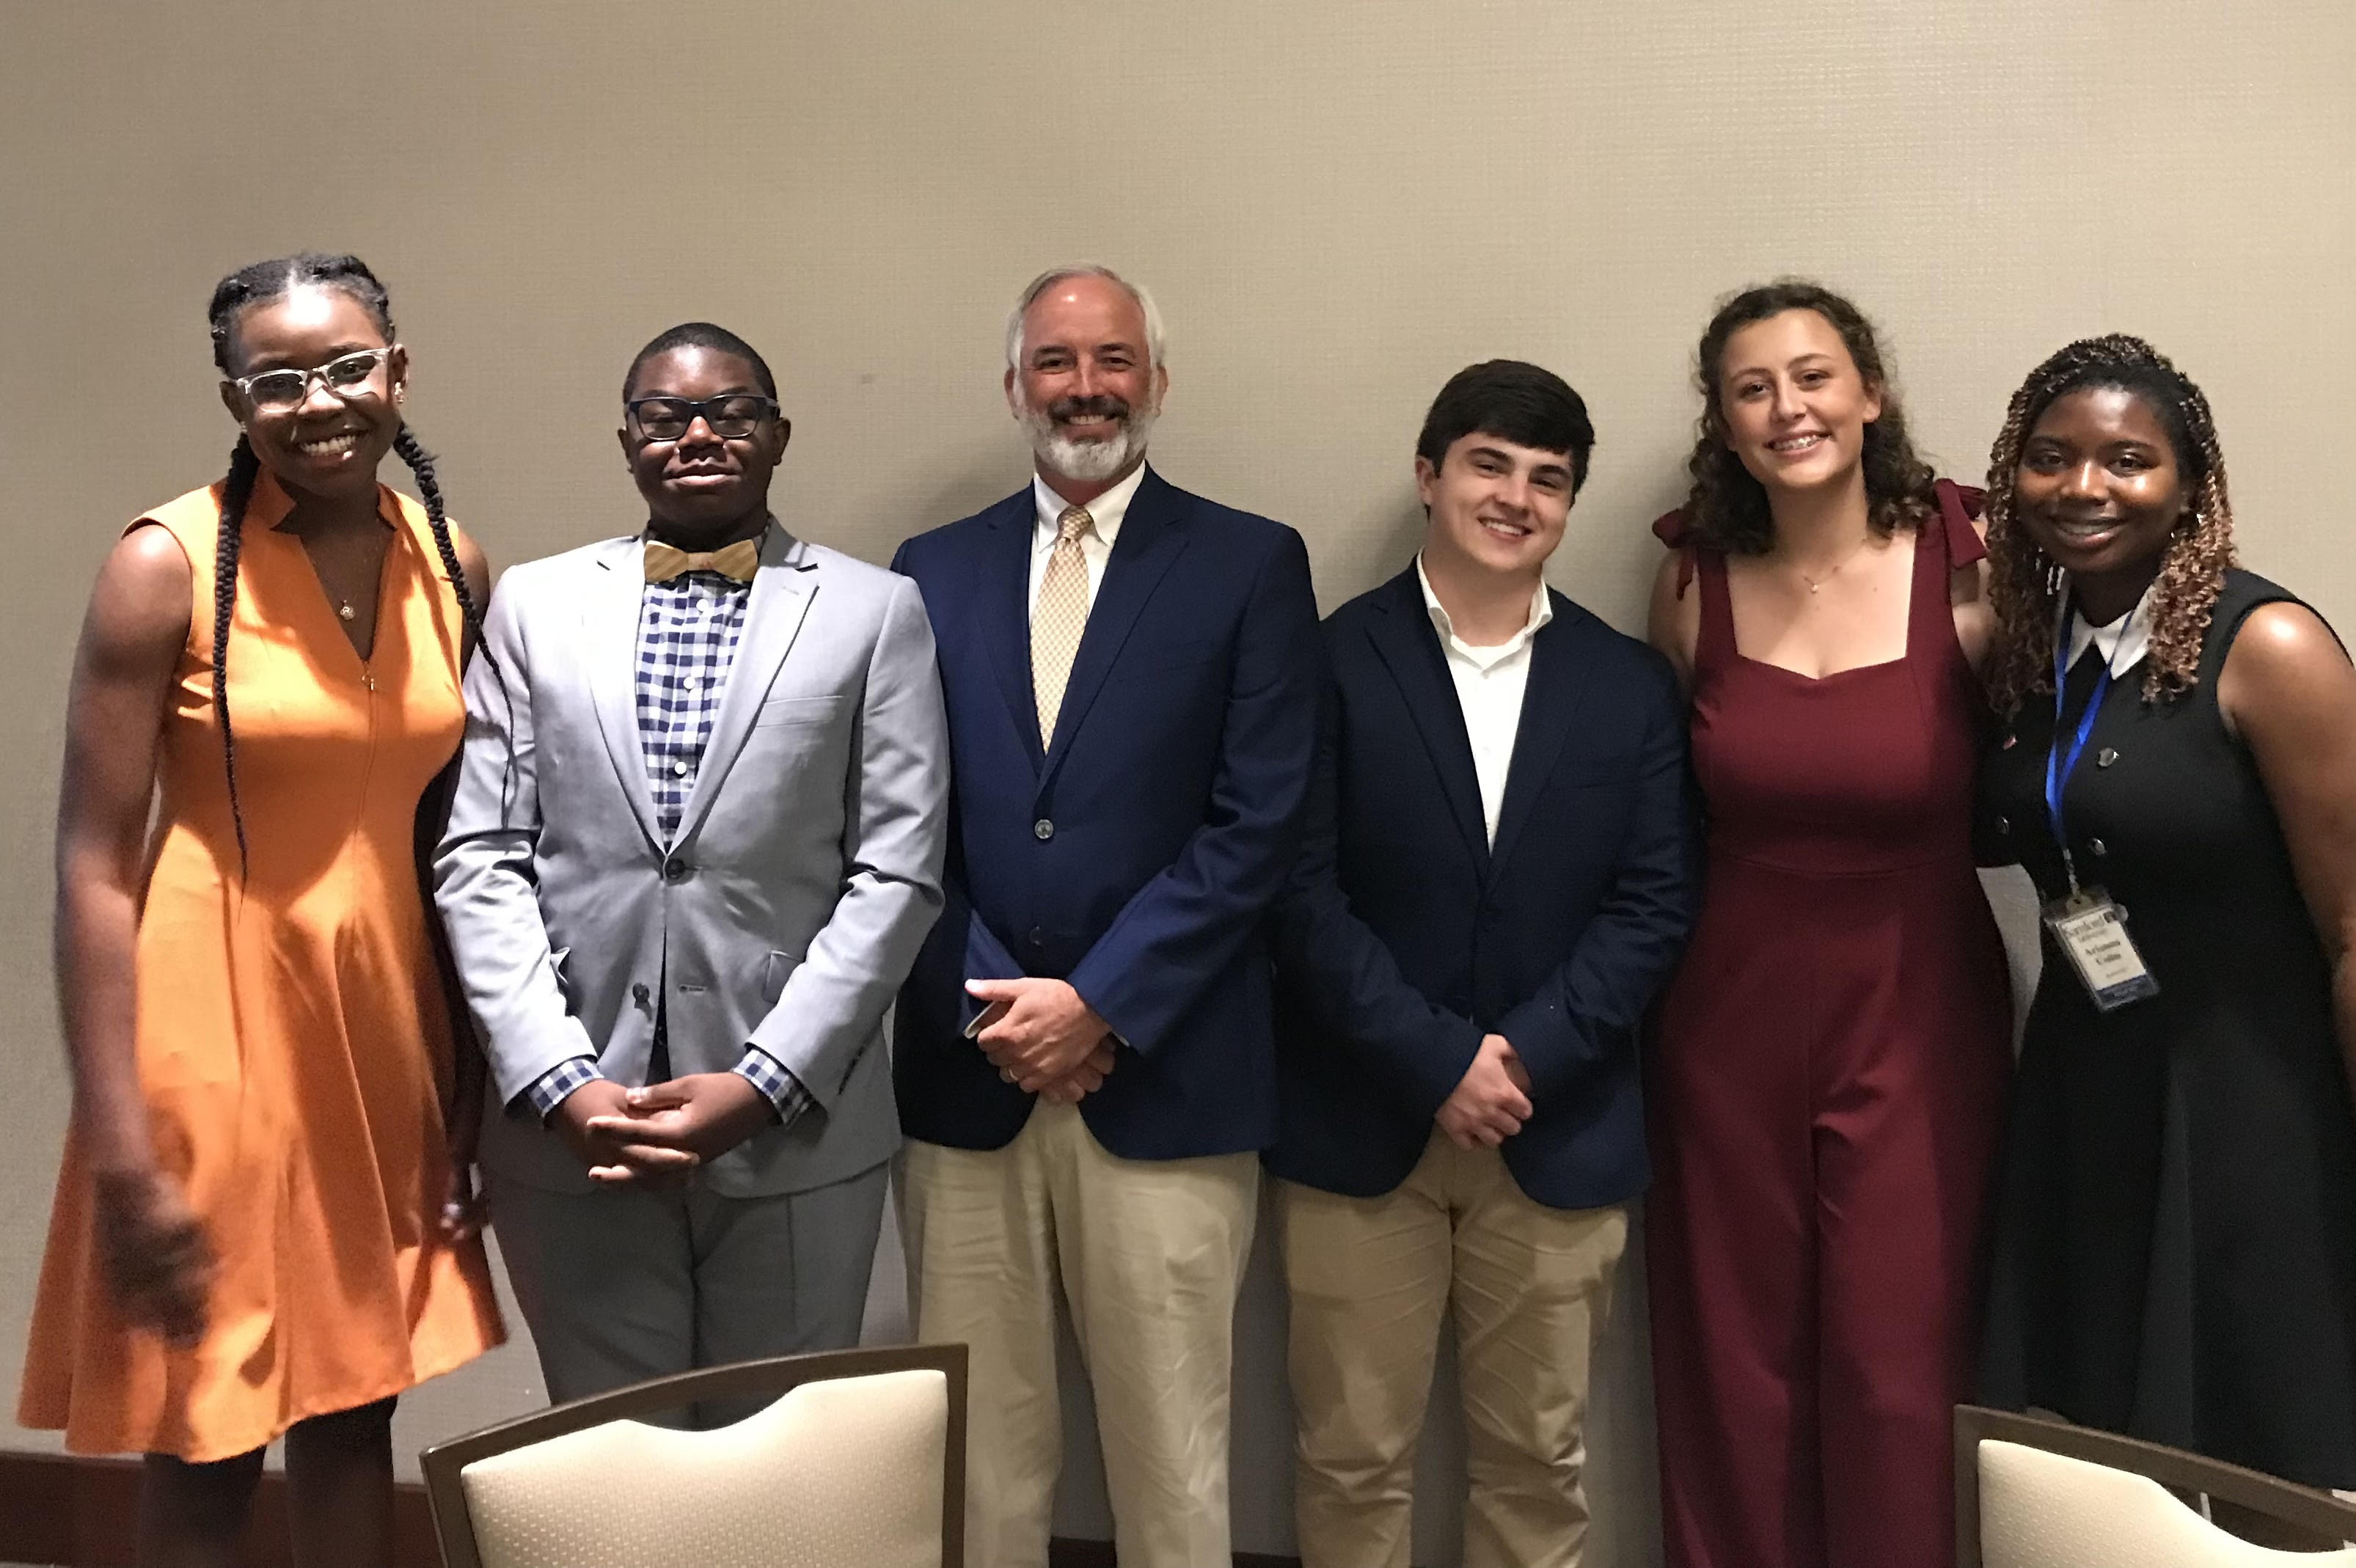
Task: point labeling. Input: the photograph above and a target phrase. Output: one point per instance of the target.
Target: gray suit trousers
(603, 1277)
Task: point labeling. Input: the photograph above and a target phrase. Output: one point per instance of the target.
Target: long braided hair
(1727, 508)
(2025, 588)
(258, 284)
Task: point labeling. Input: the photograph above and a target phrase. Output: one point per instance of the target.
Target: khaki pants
(1149, 1254)
(1370, 1278)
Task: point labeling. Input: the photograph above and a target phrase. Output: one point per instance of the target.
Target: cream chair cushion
(2040, 1509)
(844, 1473)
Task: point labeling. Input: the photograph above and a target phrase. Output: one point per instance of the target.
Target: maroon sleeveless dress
(1825, 1095)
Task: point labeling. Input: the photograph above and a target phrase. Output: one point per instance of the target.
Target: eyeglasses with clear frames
(276, 392)
(731, 416)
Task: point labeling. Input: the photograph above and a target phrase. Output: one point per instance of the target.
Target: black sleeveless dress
(2175, 1230)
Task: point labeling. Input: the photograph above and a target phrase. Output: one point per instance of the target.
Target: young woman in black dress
(2175, 1238)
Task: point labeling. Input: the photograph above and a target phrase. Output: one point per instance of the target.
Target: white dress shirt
(1489, 687)
(1095, 549)
(2123, 643)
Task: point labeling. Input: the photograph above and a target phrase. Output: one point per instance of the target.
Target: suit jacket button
(1038, 938)
(677, 871)
(1042, 830)
(2003, 824)
(640, 995)
(2097, 846)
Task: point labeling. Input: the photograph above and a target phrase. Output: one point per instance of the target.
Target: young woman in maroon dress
(1832, 1054)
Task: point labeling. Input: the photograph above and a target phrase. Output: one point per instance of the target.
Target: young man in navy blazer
(1496, 875)
(1084, 1051)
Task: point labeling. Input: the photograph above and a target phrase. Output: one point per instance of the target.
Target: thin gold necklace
(1816, 582)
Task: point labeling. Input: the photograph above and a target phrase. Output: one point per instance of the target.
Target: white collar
(1106, 510)
(2123, 643)
(1541, 612)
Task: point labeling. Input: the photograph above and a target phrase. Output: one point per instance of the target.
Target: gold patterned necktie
(739, 560)
(1059, 617)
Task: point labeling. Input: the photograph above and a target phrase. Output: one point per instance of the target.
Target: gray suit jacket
(784, 914)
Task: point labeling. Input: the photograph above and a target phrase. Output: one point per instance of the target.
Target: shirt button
(679, 770)
(1042, 830)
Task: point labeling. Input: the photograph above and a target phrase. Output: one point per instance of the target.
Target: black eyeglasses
(731, 417)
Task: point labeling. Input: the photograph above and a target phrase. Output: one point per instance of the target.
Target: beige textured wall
(1338, 202)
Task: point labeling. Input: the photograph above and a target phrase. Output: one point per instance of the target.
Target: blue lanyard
(2060, 765)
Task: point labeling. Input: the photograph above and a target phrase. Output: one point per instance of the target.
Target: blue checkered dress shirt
(688, 631)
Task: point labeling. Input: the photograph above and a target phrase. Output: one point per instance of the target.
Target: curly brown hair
(2025, 588)
(1727, 508)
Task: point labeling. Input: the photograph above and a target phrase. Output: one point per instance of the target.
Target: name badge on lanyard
(2087, 925)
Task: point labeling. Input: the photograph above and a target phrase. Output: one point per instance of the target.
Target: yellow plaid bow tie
(739, 560)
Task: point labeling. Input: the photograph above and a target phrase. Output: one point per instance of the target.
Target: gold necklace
(1816, 582)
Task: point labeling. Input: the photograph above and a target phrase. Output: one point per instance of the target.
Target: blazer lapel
(1550, 704)
(609, 625)
(1404, 638)
(781, 595)
(1150, 541)
(1004, 617)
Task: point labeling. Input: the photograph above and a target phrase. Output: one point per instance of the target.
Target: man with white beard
(1084, 1053)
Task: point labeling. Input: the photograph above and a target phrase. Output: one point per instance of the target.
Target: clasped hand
(1042, 1037)
(657, 1134)
(1492, 1100)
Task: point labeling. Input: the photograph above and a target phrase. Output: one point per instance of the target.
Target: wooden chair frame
(2326, 1518)
(745, 1379)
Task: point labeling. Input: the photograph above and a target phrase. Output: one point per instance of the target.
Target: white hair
(1088, 461)
(1155, 340)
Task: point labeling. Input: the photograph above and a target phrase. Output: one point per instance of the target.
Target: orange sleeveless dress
(293, 1046)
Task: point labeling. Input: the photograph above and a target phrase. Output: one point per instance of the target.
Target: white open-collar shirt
(1490, 685)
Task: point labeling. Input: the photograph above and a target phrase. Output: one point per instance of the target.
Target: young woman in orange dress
(264, 1225)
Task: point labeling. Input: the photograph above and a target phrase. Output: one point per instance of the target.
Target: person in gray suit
(695, 847)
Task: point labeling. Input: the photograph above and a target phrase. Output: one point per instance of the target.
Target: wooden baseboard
(1065, 1552)
(83, 1513)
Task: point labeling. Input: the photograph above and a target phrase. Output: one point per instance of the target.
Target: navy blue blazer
(1135, 856)
(1403, 938)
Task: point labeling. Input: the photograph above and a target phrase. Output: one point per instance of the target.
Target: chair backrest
(860, 1459)
(2037, 1493)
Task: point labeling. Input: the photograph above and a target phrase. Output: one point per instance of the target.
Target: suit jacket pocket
(1593, 772)
(1190, 654)
(800, 711)
(774, 970)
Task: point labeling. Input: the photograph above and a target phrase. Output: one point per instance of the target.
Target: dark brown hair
(2024, 587)
(1727, 508)
(1513, 400)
